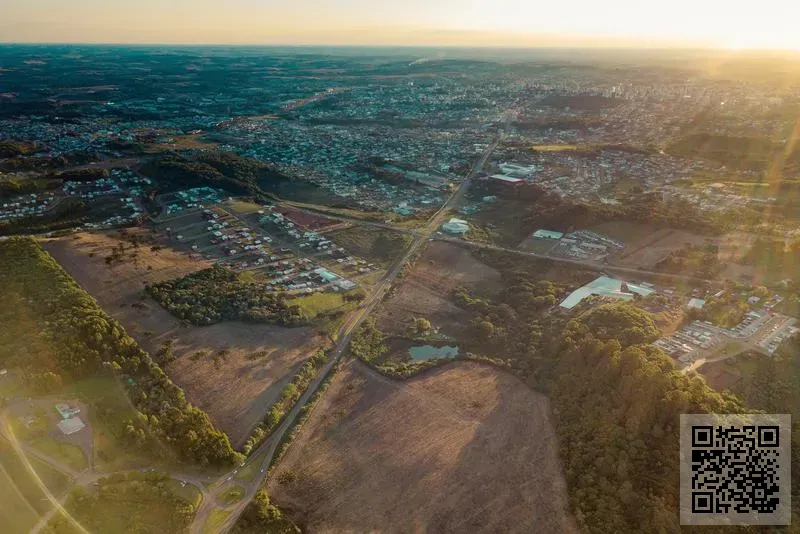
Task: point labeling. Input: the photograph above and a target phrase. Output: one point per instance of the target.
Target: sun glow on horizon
(732, 24)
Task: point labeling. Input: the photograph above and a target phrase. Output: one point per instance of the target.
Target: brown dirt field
(719, 375)
(426, 290)
(464, 448)
(645, 249)
(238, 394)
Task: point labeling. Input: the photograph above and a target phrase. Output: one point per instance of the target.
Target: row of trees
(217, 294)
(289, 396)
(87, 341)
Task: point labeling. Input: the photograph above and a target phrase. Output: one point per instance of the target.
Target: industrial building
(605, 286)
(507, 180)
(71, 426)
(548, 234)
(456, 226)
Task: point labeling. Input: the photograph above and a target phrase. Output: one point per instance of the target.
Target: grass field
(252, 469)
(233, 495)
(557, 148)
(16, 513)
(464, 448)
(242, 207)
(427, 290)
(132, 502)
(111, 452)
(22, 502)
(215, 521)
(725, 374)
(322, 303)
(66, 453)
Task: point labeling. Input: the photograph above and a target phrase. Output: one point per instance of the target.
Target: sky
(762, 24)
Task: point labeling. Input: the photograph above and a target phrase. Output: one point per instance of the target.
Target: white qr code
(735, 469)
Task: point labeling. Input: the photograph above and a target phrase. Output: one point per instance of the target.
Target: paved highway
(270, 445)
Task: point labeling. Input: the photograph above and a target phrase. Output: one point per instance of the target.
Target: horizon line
(610, 47)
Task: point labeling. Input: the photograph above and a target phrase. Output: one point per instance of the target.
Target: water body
(428, 352)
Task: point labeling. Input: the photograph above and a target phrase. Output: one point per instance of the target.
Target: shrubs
(368, 343)
(217, 294)
(262, 516)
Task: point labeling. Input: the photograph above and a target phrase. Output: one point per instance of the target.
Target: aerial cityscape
(280, 289)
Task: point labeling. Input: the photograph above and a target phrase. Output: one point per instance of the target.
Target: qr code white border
(783, 511)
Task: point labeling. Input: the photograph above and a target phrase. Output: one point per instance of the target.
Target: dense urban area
(282, 290)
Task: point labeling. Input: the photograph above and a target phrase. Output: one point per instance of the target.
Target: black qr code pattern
(735, 469)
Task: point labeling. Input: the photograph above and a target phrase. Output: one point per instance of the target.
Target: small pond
(428, 352)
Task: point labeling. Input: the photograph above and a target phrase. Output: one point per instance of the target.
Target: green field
(111, 409)
(66, 453)
(233, 495)
(22, 501)
(242, 207)
(133, 502)
(249, 472)
(16, 513)
(321, 303)
(215, 521)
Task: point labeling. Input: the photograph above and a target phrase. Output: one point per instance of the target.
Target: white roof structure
(456, 226)
(548, 234)
(604, 286)
(696, 304)
(71, 425)
(507, 179)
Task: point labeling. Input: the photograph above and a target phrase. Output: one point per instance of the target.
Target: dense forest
(217, 294)
(233, 173)
(616, 405)
(774, 387)
(87, 342)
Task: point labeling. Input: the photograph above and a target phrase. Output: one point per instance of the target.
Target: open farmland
(427, 289)
(465, 448)
(234, 371)
(646, 245)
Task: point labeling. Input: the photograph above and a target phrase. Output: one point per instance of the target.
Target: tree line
(88, 342)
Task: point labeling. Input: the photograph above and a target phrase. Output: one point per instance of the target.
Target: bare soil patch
(647, 245)
(427, 289)
(464, 448)
(238, 388)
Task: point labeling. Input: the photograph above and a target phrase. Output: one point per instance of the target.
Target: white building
(456, 226)
(71, 425)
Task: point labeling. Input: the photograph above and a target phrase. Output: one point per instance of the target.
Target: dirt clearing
(465, 448)
(234, 371)
(426, 291)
